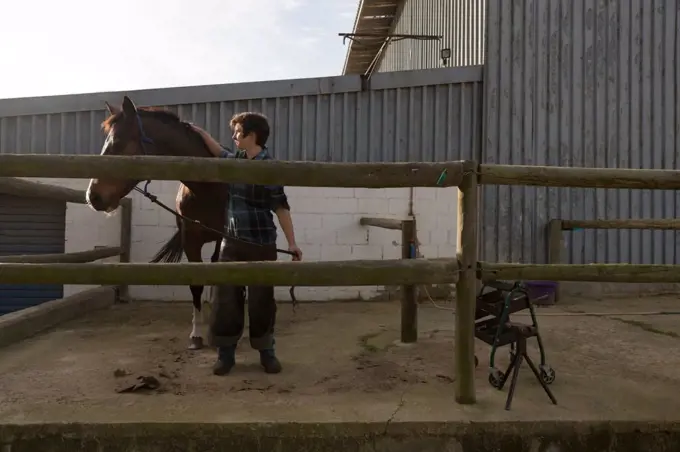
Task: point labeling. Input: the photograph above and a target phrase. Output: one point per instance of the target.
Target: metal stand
(520, 353)
(493, 326)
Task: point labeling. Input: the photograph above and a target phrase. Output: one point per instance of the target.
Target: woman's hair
(252, 123)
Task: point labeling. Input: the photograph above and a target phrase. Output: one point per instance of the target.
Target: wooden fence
(29, 189)
(409, 302)
(464, 271)
(556, 227)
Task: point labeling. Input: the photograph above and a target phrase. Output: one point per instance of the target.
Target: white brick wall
(326, 225)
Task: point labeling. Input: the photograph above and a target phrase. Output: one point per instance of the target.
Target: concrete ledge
(544, 436)
(17, 326)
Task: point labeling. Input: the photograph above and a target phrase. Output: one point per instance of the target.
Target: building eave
(375, 17)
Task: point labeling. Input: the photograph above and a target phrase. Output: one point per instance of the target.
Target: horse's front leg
(192, 249)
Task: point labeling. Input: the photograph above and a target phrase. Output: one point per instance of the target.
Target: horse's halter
(144, 139)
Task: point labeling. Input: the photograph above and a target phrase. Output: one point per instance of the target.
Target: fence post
(125, 243)
(464, 347)
(555, 245)
(409, 304)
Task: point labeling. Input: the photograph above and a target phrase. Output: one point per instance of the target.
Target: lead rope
(143, 138)
(154, 199)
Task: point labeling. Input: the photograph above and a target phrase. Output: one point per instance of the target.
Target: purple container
(541, 293)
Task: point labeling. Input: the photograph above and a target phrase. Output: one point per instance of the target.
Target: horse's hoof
(195, 343)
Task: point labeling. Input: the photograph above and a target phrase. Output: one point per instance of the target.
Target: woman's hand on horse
(198, 129)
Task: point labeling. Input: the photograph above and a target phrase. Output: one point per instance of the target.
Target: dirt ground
(343, 362)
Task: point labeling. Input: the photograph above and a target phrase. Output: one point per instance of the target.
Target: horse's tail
(171, 252)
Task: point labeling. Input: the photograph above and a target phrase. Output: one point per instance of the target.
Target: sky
(83, 46)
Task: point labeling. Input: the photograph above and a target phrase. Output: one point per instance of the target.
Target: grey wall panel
(461, 23)
(581, 83)
(54, 133)
(30, 226)
(412, 115)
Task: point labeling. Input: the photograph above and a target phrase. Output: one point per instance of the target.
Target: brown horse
(148, 131)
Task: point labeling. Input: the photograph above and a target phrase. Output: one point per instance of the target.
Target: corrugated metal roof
(375, 17)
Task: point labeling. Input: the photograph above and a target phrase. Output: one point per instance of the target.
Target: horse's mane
(153, 112)
(158, 113)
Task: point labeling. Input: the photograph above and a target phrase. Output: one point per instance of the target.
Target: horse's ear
(129, 109)
(112, 110)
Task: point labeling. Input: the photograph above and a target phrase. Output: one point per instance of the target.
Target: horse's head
(125, 135)
(139, 131)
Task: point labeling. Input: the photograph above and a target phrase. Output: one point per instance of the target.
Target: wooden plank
(466, 294)
(664, 224)
(79, 257)
(623, 273)
(556, 176)
(26, 188)
(385, 223)
(300, 174)
(336, 273)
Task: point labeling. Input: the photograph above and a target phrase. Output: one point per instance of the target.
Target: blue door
(30, 226)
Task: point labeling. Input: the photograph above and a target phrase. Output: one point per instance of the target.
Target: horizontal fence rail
(299, 174)
(335, 273)
(332, 174)
(385, 223)
(559, 176)
(30, 189)
(622, 273)
(660, 224)
(78, 257)
(556, 228)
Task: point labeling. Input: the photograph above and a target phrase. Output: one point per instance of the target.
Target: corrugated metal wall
(30, 226)
(581, 83)
(461, 23)
(424, 116)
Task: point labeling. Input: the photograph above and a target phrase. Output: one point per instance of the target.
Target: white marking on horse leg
(207, 304)
(207, 293)
(194, 323)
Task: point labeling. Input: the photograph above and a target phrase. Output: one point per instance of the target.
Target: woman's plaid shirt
(249, 209)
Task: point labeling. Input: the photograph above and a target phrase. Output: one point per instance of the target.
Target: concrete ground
(342, 363)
